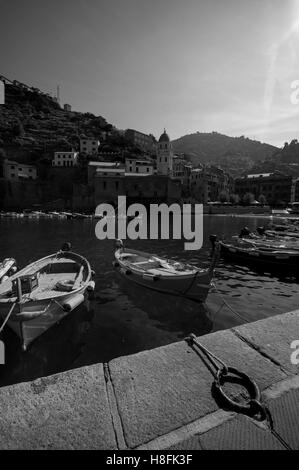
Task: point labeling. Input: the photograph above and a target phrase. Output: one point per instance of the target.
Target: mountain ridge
(214, 147)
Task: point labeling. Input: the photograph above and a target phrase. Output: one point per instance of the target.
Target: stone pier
(161, 399)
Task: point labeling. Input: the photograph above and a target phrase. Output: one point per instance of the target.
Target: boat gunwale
(83, 260)
(197, 272)
(261, 251)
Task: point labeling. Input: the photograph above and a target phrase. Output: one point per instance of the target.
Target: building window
(147, 169)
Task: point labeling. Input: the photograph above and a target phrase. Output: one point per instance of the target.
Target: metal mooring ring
(249, 384)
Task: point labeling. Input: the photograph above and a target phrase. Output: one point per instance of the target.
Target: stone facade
(276, 187)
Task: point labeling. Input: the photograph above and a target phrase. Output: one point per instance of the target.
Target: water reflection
(124, 318)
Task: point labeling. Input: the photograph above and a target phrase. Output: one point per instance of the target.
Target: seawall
(161, 398)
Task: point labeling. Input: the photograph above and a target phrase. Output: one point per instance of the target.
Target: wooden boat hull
(39, 309)
(194, 286)
(276, 259)
(198, 292)
(29, 330)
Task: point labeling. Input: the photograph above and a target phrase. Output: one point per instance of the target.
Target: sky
(186, 65)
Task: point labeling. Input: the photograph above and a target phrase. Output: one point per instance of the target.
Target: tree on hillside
(18, 129)
(262, 200)
(223, 196)
(234, 199)
(248, 199)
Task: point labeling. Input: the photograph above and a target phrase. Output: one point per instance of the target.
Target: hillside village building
(142, 188)
(104, 169)
(139, 180)
(276, 187)
(164, 155)
(65, 159)
(14, 171)
(139, 166)
(143, 141)
(89, 146)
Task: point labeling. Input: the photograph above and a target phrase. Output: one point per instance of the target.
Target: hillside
(32, 125)
(285, 160)
(218, 148)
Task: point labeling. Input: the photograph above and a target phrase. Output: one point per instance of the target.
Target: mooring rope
(7, 317)
(227, 304)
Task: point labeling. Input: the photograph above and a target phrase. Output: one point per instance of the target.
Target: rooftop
(12, 162)
(105, 164)
(111, 170)
(67, 152)
(164, 137)
(260, 175)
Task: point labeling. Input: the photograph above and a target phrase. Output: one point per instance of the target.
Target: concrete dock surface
(161, 399)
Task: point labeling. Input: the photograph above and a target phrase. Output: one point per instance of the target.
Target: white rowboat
(41, 294)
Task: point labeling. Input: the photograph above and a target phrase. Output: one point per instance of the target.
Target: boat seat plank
(147, 264)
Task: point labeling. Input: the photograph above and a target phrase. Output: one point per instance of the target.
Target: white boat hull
(29, 330)
(63, 279)
(193, 283)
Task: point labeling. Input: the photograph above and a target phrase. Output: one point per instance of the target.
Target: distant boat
(7, 268)
(262, 256)
(280, 212)
(164, 275)
(78, 215)
(68, 215)
(41, 294)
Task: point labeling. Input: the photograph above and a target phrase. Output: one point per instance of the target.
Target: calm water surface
(124, 319)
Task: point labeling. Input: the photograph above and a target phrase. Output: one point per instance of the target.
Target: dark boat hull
(262, 258)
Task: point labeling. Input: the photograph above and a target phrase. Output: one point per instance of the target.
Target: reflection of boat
(54, 351)
(7, 268)
(164, 275)
(167, 309)
(42, 293)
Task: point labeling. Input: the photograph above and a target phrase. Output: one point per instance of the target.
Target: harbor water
(123, 319)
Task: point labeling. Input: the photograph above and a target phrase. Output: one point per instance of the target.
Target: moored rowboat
(164, 275)
(41, 294)
(267, 257)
